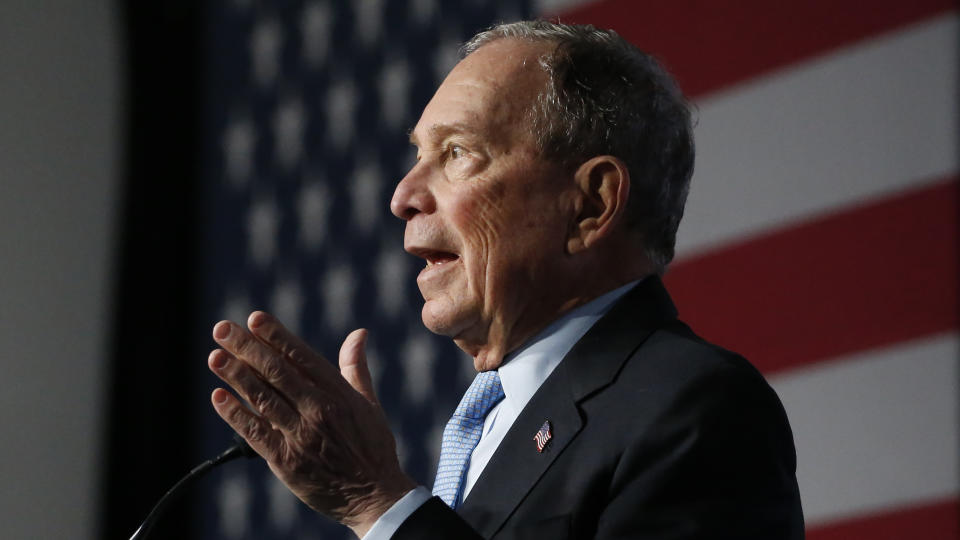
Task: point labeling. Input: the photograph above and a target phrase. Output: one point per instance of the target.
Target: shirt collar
(524, 370)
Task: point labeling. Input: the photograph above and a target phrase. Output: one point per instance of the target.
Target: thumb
(353, 364)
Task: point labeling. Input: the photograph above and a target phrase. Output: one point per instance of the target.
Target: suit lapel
(517, 465)
(592, 364)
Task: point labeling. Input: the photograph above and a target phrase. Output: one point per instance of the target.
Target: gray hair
(607, 97)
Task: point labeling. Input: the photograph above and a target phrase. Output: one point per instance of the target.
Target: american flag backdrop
(820, 238)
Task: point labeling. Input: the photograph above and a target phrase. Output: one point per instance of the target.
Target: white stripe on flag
(876, 430)
(864, 121)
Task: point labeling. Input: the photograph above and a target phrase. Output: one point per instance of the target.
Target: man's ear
(604, 187)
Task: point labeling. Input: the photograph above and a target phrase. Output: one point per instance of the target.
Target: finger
(270, 331)
(267, 362)
(271, 405)
(353, 364)
(255, 430)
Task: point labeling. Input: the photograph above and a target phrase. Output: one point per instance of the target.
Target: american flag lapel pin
(543, 436)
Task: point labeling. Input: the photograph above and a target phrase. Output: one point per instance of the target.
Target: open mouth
(434, 258)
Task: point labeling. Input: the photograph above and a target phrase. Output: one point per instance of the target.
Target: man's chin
(440, 319)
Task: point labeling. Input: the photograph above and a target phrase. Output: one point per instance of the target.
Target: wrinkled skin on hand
(322, 432)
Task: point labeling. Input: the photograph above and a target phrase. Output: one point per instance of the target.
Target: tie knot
(485, 392)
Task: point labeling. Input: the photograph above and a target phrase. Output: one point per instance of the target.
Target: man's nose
(412, 195)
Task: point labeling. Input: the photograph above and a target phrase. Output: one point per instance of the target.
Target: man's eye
(455, 151)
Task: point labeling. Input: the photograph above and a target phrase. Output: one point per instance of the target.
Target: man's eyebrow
(440, 131)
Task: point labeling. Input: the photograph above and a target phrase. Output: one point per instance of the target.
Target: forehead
(491, 89)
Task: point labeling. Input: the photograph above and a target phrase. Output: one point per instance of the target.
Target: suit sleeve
(718, 463)
(434, 519)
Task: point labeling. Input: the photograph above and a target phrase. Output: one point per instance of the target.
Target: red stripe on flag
(708, 45)
(938, 521)
(870, 276)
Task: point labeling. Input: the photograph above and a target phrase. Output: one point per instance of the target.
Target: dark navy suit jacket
(657, 435)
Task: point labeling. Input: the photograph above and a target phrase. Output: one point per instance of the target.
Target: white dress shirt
(521, 374)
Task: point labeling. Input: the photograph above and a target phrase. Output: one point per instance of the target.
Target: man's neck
(502, 340)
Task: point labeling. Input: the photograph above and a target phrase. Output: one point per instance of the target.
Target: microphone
(239, 448)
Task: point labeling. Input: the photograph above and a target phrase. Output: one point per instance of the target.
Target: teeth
(437, 259)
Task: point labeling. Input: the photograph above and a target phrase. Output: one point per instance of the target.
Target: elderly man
(552, 169)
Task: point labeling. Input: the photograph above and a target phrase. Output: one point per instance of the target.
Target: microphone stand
(241, 448)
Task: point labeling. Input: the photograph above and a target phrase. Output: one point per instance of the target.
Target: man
(552, 168)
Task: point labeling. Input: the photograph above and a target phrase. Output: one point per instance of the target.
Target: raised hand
(323, 433)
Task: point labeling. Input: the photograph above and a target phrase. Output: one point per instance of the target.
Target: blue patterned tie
(462, 434)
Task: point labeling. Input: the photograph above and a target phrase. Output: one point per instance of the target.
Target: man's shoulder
(674, 353)
(641, 364)
(676, 386)
(676, 371)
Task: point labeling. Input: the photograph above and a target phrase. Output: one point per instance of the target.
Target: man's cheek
(482, 225)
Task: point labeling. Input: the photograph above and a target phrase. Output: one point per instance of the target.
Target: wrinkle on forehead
(490, 92)
(441, 131)
(510, 53)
